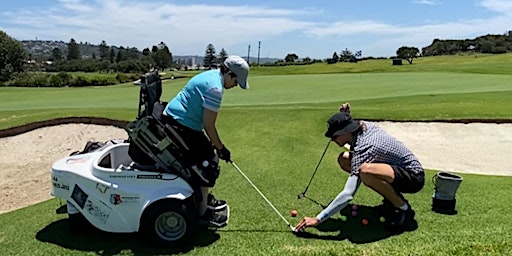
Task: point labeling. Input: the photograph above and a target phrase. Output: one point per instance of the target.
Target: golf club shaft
(312, 176)
(316, 202)
(262, 195)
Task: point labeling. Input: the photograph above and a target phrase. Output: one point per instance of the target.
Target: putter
(262, 195)
(303, 194)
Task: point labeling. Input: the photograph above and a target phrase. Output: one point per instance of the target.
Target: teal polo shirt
(204, 90)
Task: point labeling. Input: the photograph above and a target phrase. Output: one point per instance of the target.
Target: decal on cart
(96, 211)
(79, 196)
(117, 199)
(122, 176)
(102, 188)
(150, 176)
(59, 185)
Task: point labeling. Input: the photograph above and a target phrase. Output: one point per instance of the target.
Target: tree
(335, 57)
(112, 55)
(161, 56)
(73, 50)
(120, 55)
(103, 49)
(209, 56)
(12, 57)
(222, 56)
(291, 57)
(346, 55)
(408, 53)
(145, 52)
(56, 54)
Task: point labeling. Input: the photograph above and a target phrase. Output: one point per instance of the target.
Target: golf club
(262, 195)
(316, 202)
(303, 194)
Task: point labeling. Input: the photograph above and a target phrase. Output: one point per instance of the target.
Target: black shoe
(215, 219)
(215, 204)
(385, 207)
(399, 219)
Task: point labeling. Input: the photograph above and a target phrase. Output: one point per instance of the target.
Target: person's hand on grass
(307, 222)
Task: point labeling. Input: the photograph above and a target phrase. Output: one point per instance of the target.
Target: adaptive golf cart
(141, 184)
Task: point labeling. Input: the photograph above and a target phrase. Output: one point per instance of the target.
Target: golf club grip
(261, 194)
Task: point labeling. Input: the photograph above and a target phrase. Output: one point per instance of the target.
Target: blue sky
(314, 29)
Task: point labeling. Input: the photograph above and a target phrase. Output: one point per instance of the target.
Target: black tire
(168, 223)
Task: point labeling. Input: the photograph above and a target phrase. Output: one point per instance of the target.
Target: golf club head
(300, 196)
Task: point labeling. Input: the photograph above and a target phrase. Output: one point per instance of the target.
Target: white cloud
(501, 6)
(427, 2)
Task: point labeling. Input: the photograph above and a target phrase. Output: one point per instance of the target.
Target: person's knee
(365, 169)
(367, 174)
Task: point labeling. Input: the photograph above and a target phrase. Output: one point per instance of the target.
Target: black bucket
(445, 188)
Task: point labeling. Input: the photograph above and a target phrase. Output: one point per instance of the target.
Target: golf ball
(364, 222)
(382, 219)
(294, 213)
(343, 218)
(354, 213)
(354, 207)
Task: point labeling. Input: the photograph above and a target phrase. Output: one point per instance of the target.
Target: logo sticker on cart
(122, 176)
(97, 212)
(117, 199)
(152, 177)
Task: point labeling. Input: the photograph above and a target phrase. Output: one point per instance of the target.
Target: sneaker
(399, 219)
(215, 204)
(215, 219)
(385, 207)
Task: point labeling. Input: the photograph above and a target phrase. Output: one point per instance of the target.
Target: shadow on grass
(353, 229)
(104, 243)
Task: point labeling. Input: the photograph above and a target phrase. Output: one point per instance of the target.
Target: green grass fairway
(275, 133)
(399, 96)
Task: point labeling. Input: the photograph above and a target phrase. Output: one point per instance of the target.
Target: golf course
(275, 131)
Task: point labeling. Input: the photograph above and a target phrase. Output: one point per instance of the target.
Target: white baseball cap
(241, 69)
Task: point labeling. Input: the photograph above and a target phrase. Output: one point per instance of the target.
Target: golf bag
(445, 187)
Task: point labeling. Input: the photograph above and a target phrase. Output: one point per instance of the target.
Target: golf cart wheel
(168, 223)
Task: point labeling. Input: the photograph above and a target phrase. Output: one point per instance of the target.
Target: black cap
(340, 123)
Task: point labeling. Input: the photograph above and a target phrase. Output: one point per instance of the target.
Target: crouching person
(380, 162)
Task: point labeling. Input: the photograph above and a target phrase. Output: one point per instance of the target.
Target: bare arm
(209, 119)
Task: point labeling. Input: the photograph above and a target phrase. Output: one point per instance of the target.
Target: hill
(42, 50)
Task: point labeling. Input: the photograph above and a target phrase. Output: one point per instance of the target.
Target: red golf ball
(294, 213)
(364, 222)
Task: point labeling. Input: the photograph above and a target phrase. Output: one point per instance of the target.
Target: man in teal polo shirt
(193, 111)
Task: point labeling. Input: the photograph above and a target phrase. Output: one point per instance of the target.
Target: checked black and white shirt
(375, 145)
